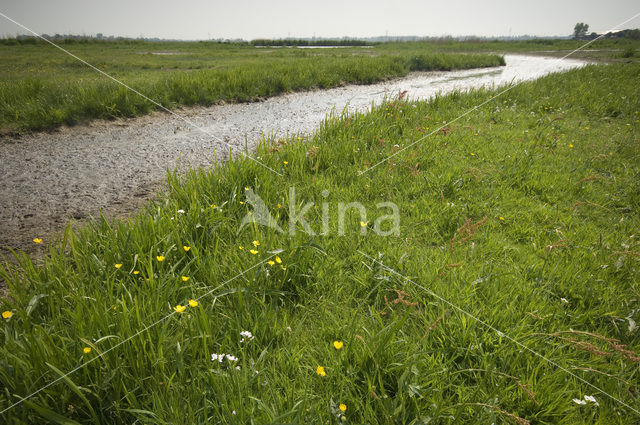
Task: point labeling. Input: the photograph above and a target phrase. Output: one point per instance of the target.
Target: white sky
(248, 19)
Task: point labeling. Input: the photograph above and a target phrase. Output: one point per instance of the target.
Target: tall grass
(54, 89)
(524, 214)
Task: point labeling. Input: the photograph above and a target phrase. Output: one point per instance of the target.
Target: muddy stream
(48, 179)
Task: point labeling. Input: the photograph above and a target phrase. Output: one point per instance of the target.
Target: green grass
(548, 172)
(41, 87)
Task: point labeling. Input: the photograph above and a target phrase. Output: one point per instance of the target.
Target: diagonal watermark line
(502, 334)
(141, 331)
(467, 112)
(159, 105)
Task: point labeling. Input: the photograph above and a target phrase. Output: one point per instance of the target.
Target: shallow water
(49, 178)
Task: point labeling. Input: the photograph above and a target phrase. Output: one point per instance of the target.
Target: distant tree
(580, 30)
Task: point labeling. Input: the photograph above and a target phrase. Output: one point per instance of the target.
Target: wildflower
(212, 205)
(86, 350)
(570, 145)
(7, 314)
(246, 335)
(473, 154)
(185, 278)
(278, 260)
(338, 344)
(186, 248)
(592, 399)
(180, 308)
(246, 188)
(342, 407)
(217, 357)
(320, 371)
(160, 258)
(232, 358)
(180, 211)
(136, 272)
(256, 243)
(363, 223)
(193, 303)
(279, 206)
(285, 162)
(578, 401)
(240, 247)
(299, 138)
(271, 263)
(37, 240)
(117, 266)
(253, 251)
(501, 218)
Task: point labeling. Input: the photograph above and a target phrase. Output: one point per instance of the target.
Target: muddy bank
(72, 173)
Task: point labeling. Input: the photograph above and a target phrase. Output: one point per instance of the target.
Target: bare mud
(48, 179)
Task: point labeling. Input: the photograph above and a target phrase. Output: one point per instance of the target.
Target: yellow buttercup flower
(86, 350)
(37, 240)
(186, 248)
(501, 218)
(279, 205)
(240, 247)
(285, 162)
(193, 303)
(342, 407)
(256, 243)
(136, 272)
(212, 205)
(253, 251)
(179, 308)
(363, 223)
(338, 344)
(320, 371)
(160, 258)
(271, 263)
(7, 314)
(570, 145)
(185, 278)
(278, 260)
(117, 266)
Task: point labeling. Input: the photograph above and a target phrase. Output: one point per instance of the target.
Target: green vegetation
(524, 214)
(42, 87)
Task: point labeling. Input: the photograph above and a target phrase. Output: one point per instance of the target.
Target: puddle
(50, 178)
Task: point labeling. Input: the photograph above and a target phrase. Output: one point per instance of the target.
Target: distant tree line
(581, 32)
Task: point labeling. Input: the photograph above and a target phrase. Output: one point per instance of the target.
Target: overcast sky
(248, 19)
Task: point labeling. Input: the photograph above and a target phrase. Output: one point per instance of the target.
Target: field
(42, 88)
(509, 293)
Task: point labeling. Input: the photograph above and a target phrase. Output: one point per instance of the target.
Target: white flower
(217, 357)
(564, 300)
(232, 358)
(246, 335)
(180, 211)
(592, 399)
(578, 401)
(237, 367)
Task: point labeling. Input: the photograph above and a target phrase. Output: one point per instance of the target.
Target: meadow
(509, 294)
(42, 88)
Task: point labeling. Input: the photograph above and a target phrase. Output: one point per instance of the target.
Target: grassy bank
(523, 214)
(42, 87)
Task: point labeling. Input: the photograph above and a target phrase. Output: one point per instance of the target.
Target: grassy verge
(41, 87)
(524, 214)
